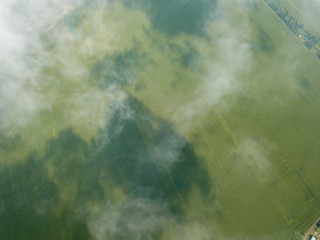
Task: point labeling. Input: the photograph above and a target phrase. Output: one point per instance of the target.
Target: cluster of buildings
(315, 233)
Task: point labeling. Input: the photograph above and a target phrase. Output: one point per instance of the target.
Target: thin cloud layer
(223, 68)
(42, 74)
(19, 97)
(112, 95)
(135, 218)
(254, 153)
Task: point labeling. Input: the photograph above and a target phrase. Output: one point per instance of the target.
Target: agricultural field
(159, 120)
(306, 12)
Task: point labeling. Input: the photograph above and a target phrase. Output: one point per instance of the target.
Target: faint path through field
(66, 9)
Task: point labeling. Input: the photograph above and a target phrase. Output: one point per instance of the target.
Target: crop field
(272, 121)
(145, 120)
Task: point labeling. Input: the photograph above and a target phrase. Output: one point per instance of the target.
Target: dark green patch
(27, 203)
(133, 153)
(132, 163)
(75, 18)
(70, 155)
(264, 43)
(177, 16)
(304, 83)
(10, 143)
(187, 54)
(115, 69)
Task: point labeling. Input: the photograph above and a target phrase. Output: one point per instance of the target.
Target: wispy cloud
(254, 153)
(135, 219)
(22, 57)
(224, 66)
(37, 78)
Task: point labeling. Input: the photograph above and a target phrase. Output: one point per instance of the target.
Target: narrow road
(66, 9)
(310, 231)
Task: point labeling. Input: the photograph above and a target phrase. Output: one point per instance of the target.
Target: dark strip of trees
(311, 41)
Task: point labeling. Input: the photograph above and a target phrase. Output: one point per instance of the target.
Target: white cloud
(167, 150)
(21, 57)
(224, 67)
(132, 219)
(26, 89)
(254, 153)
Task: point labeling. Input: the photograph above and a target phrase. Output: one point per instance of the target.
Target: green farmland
(162, 120)
(306, 12)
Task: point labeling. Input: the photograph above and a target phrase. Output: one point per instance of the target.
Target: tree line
(311, 41)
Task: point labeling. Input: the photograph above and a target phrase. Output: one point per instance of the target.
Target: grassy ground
(240, 94)
(305, 12)
(272, 119)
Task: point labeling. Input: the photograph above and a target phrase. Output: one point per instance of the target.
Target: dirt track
(66, 9)
(310, 231)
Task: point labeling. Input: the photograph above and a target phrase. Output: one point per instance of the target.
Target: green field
(272, 119)
(306, 12)
(166, 122)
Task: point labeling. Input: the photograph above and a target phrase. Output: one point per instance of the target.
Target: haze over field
(157, 119)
